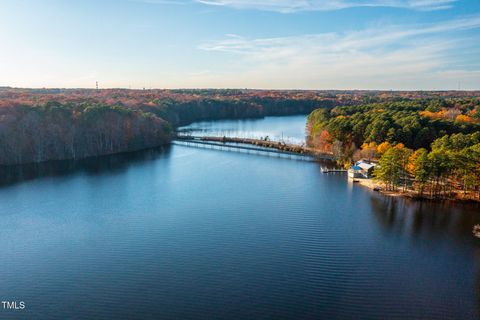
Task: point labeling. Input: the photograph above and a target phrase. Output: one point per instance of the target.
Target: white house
(362, 169)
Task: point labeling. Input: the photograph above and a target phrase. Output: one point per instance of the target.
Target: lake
(194, 233)
(272, 127)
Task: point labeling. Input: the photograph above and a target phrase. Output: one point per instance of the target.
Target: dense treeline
(184, 106)
(32, 130)
(416, 124)
(450, 169)
(44, 124)
(73, 131)
(47, 124)
(182, 113)
(431, 147)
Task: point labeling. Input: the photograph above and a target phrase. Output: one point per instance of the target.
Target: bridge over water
(253, 145)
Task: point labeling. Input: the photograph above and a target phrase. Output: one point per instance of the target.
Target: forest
(38, 125)
(55, 132)
(425, 147)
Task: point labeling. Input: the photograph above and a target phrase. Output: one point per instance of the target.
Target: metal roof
(365, 166)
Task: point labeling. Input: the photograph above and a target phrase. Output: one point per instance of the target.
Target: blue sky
(283, 44)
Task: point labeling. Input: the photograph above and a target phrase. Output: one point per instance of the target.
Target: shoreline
(372, 185)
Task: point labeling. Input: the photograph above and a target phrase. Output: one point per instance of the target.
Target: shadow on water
(10, 175)
(426, 218)
(433, 225)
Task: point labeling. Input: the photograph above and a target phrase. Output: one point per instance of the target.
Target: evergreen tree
(390, 168)
(421, 169)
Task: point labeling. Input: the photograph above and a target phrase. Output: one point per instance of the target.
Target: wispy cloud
(290, 6)
(168, 2)
(387, 57)
(287, 6)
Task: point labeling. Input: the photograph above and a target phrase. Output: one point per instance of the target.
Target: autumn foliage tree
(324, 142)
(383, 147)
(419, 167)
(55, 132)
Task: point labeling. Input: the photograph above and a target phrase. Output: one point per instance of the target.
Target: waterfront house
(367, 168)
(362, 169)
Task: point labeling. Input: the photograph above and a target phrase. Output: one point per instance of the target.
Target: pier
(334, 171)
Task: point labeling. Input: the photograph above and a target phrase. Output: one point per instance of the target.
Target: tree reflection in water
(10, 175)
(427, 219)
(431, 224)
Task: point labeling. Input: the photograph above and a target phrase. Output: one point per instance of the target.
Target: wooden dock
(334, 170)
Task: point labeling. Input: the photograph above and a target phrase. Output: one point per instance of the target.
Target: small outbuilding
(355, 172)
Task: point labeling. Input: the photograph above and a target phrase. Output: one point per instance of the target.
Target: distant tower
(96, 84)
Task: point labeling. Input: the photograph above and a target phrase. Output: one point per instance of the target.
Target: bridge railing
(256, 144)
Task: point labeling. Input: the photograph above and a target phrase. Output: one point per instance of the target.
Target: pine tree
(421, 169)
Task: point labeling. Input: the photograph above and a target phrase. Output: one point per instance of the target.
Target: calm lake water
(192, 233)
(275, 128)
